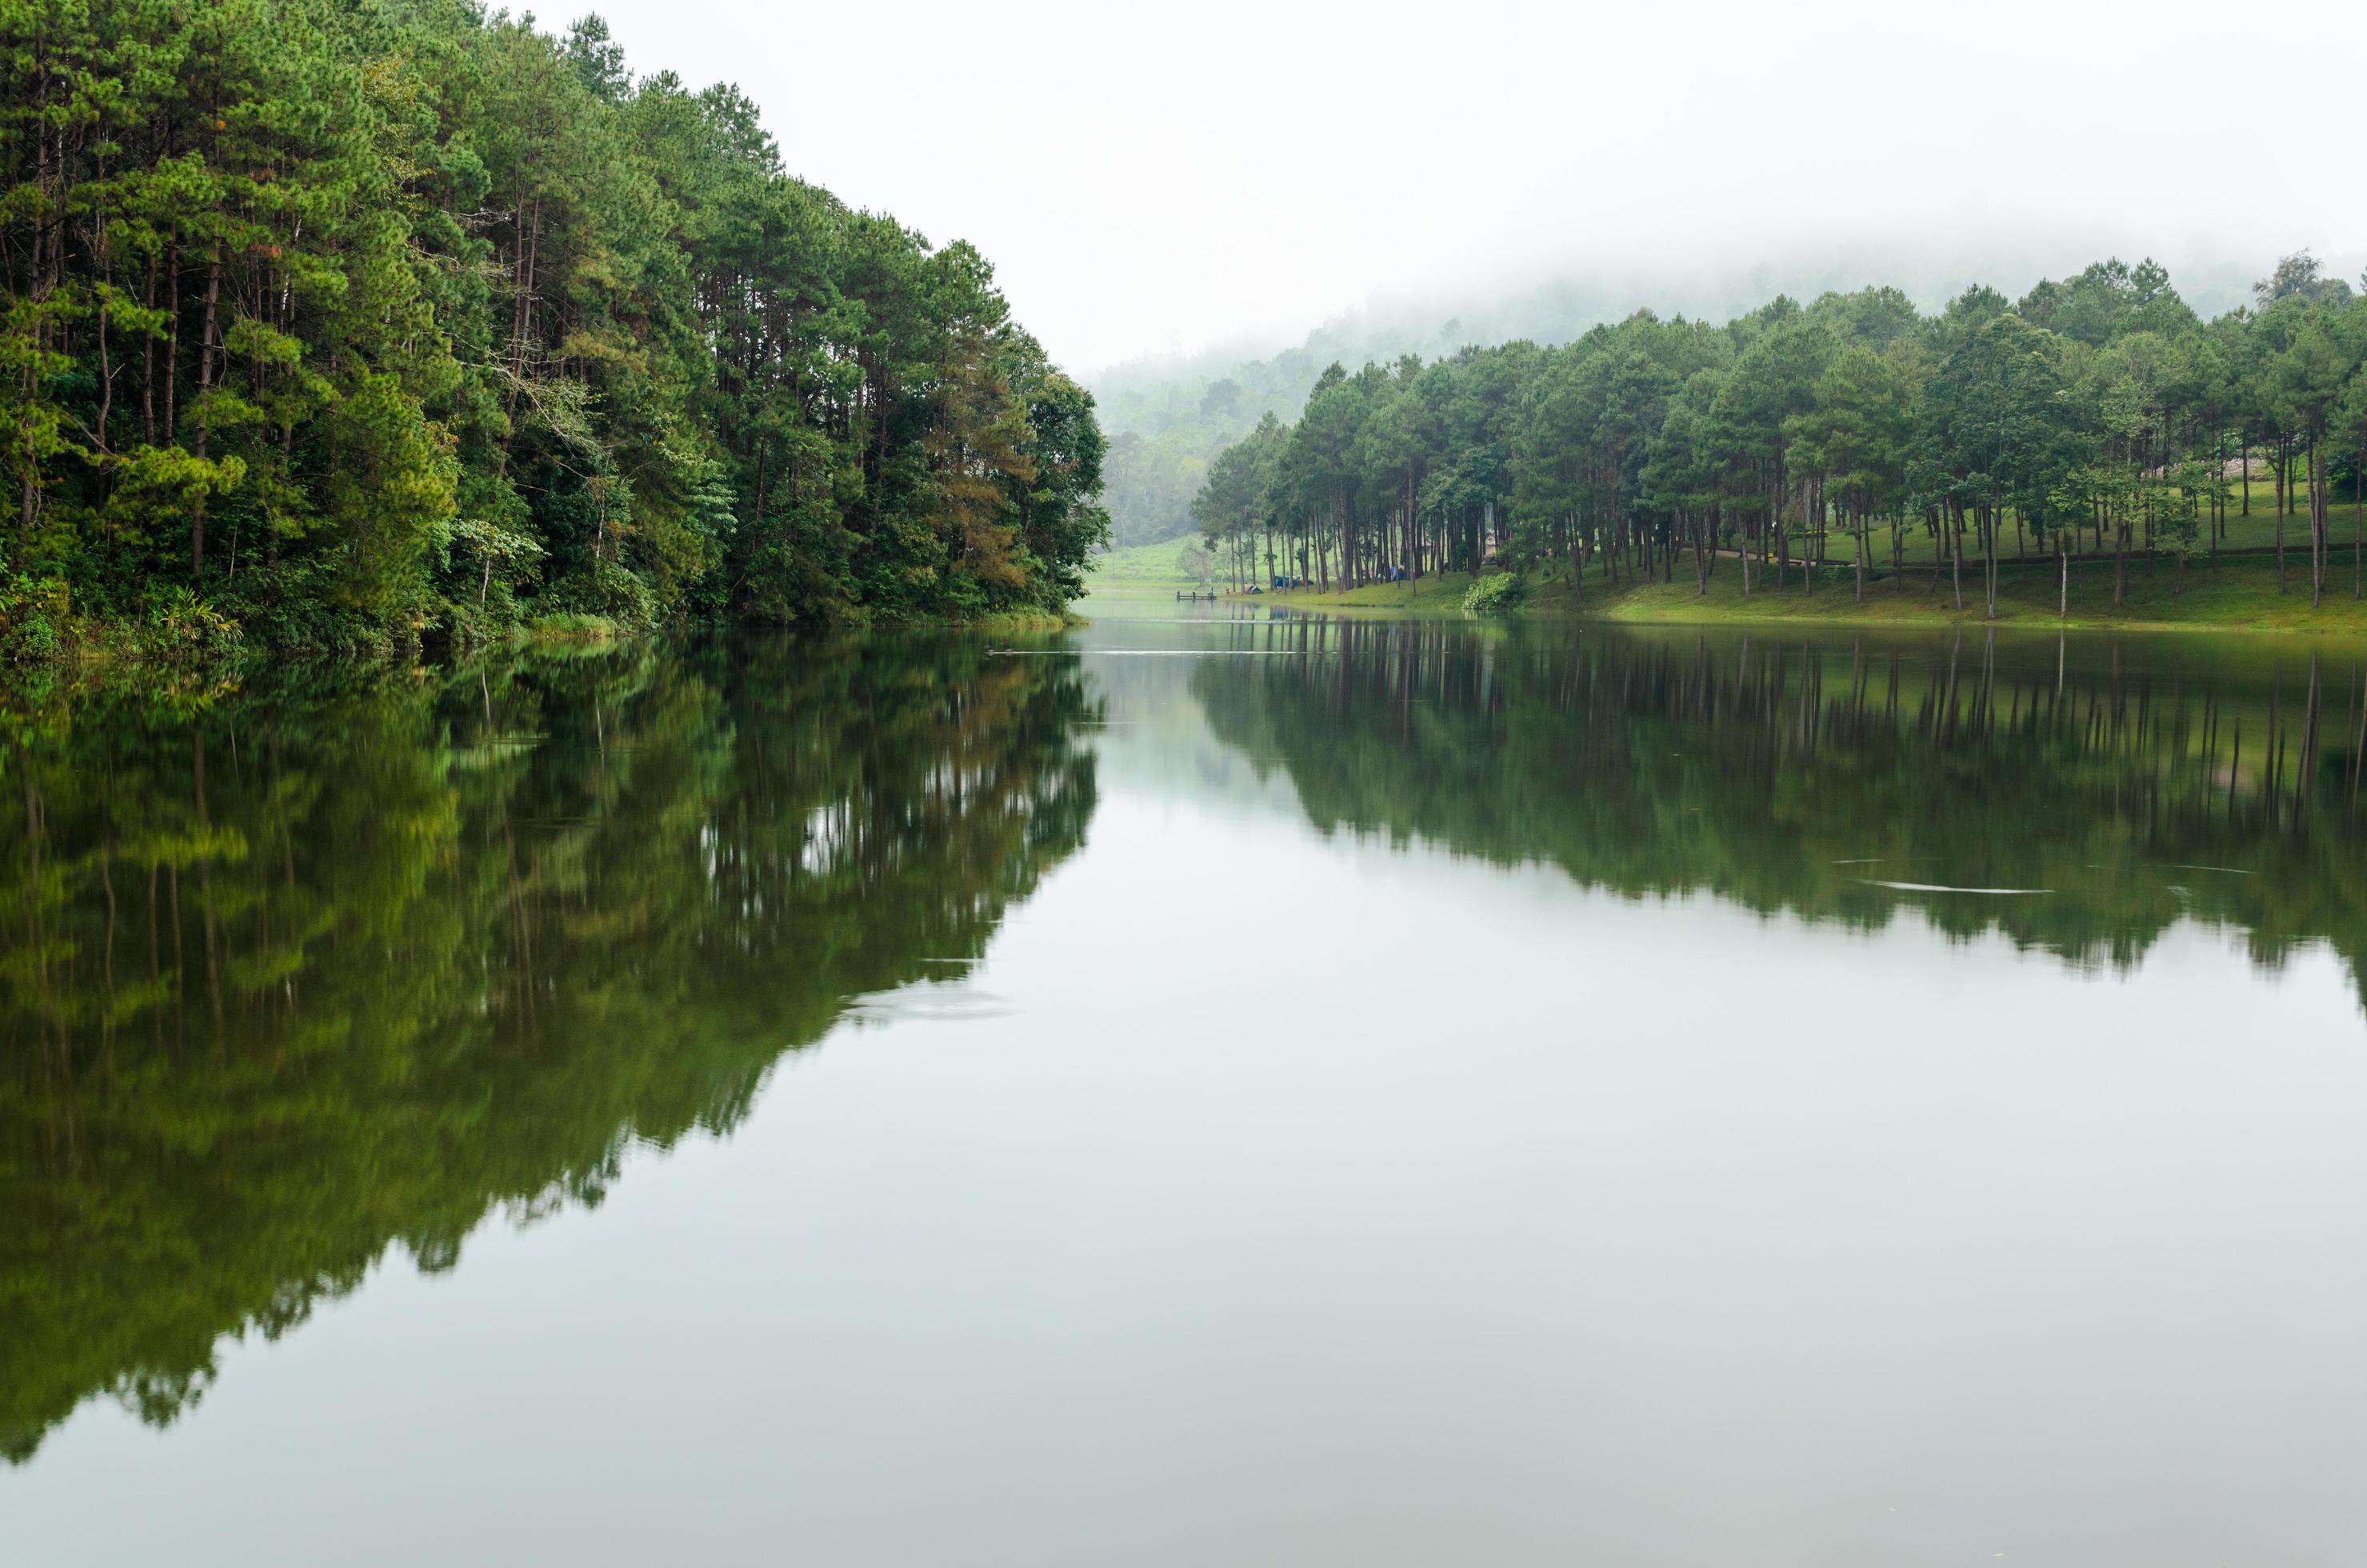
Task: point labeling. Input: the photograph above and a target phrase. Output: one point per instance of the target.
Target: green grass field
(1140, 566)
(2257, 531)
(2239, 593)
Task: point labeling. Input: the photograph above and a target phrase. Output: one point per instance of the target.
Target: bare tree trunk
(1955, 526)
(2280, 528)
(1989, 537)
(205, 384)
(172, 340)
(2316, 528)
(148, 366)
(105, 369)
(2120, 560)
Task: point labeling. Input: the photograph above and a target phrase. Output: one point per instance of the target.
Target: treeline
(2099, 413)
(1168, 419)
(324, 974)
(357, 319)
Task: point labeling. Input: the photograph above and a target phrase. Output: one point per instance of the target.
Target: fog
(1157, 181)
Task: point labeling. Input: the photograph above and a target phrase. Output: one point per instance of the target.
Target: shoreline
(95, 660)
(2237, 595)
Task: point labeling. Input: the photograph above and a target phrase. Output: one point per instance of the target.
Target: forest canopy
(354, 321)
(2097, 407)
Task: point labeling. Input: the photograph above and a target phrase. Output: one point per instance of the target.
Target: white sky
(1151, 179)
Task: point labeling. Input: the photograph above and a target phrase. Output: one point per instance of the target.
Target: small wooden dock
(1187, 596)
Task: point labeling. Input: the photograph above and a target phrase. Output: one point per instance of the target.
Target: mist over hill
(1168, 415)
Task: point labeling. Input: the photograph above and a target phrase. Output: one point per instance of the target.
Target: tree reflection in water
(1840, 778)
(314, 973)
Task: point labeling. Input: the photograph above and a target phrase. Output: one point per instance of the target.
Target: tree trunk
(2119, 563)
(2316, 530)
(1955, 525)
(205, 384)
(171, 342)
(2280, 533)
(106, 381)
(1990, 537)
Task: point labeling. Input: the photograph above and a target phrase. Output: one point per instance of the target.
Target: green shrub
(32, 611)
(183, 630)
(575, 626)
(602, 591)
(1496, 594)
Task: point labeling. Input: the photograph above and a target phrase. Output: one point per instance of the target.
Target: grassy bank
(2257, 531)
(2237, 595)
(1143, 566)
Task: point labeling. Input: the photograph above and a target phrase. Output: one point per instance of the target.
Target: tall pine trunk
(2280, 533)
(2120, 560)
(205, 384)
(1988, 538)
(2316, 530)
(1955, 522)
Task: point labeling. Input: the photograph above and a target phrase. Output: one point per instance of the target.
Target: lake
(1232, 1087)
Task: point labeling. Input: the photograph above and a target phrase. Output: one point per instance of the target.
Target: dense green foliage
(364, 319)
(1495, 593)
(2099, 413)
(317, 974)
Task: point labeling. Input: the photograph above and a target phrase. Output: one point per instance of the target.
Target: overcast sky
(1157, 177)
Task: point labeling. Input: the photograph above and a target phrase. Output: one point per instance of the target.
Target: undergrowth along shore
(183, 657)
(2238, 594)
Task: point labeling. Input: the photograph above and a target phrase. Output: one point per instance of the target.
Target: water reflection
(324, 972)
(2077, 796)
(320, 973)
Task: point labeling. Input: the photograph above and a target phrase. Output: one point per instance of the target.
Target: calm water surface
(1236, 1090)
